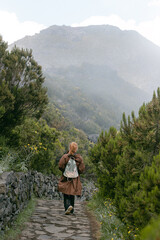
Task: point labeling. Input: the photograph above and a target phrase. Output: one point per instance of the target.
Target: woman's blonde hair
(73, 147)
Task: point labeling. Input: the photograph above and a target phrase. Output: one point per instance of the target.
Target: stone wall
(16, 190)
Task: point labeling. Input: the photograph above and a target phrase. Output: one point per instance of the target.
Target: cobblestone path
(49, 222)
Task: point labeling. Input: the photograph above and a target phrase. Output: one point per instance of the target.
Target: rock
(2, 187)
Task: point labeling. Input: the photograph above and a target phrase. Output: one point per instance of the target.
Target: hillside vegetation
(92, 97)
(33, 134)
(95, 73)
(127, 163)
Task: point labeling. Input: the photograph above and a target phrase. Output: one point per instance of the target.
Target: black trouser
(69, 201)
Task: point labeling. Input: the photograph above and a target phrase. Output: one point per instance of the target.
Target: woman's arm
(81, 166)
(62, 163)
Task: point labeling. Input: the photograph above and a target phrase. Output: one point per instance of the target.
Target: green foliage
(21, 88)
(151, 231)
(104, 157)
(136, 166)
(34, 145)
(75, 106)
(134, 154)
(55, 119)
(111, 226)
(3, 147)
(147, 198)
(147, 127)
(7, 100)
(131, 164)
(37, 145)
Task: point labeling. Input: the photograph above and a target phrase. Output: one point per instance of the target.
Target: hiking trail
(48, 222)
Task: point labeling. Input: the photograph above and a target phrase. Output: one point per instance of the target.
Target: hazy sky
(26, 17)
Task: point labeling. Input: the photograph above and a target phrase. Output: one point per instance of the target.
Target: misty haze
(96, 73)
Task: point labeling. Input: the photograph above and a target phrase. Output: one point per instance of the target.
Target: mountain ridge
(114, 71)
(98, 45)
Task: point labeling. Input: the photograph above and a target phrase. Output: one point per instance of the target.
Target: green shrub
(38, 146)
(127, 165)
(147, 198)
(104, 157)
(151, 231)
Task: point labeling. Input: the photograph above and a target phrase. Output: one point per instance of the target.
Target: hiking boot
(68, 211)
(72, 211)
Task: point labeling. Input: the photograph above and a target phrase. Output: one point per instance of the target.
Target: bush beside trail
(127, 165)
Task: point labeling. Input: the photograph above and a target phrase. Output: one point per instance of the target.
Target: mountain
(135, 58)
(95, 73)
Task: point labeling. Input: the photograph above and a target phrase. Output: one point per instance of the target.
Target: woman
(70, 186)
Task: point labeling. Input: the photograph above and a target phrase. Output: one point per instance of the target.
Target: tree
(6, 100)
(136, 169)
(104, 157)
(147, 126)
(147, 198)
(37, 147)
(128, 164)
(21, 88)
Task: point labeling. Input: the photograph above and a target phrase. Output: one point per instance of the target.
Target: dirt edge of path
(94, 224)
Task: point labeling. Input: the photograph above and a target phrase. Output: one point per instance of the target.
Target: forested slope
(95, 73)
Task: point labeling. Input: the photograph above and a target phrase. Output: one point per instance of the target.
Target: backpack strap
(72, 155)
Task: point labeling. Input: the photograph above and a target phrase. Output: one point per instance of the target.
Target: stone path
(49, 222)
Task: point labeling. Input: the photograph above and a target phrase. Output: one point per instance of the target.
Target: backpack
(71, 170)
